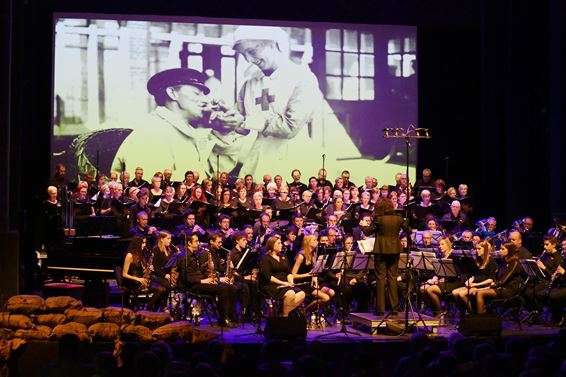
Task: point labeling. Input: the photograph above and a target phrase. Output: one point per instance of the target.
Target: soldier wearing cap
(175, 135)
(277, 103)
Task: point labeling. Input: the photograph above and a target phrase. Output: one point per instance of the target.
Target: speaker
(286, 328)
(488, 324)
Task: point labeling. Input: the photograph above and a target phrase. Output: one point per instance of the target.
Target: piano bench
(63, 289)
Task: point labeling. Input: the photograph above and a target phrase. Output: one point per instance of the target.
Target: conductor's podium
(395, 323)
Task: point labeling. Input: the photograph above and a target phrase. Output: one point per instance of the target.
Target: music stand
(444, 268)
(532, 269)
(339, 262)
(466, 266)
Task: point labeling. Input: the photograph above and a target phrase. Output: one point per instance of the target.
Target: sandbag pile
(30, 317)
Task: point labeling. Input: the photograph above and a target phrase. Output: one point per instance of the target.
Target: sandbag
(174, 331)
(59, 304)
(118, 316)
(15, 321)
(136, 333)
(152, 320)
(76, 328)
(104, 331)
(26, 304)
(40, 332)
(50, 319)
(86, 316)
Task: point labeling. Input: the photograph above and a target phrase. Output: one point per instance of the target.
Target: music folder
(444, 268)
(267, 202)
(313, 213)
(366, 246)
(531, 267)
(206, 207)
(422, 260)
(319, 264)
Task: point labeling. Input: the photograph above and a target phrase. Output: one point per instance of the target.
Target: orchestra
(263, 241)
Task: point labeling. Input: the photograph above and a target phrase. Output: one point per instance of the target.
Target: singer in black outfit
(385, 228)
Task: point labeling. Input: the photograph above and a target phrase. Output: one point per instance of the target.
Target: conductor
(385, 228)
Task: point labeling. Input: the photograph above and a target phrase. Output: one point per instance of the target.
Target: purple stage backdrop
(338, 87)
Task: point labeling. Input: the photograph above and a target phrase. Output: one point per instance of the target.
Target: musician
(296, 175)
(257, 202)
(322, 181)
(516, 239)
(271, 190)
(249, 183)
(83, 205)
(59, 178)
(556, 293)
(425, 180)
(142, 204)
(364, 206)
(262, 229)
(276, 277)
(457, 219)
(346, 179)
(434, 287)
(358, 232)
(195, 276)
(352, 284)
(225, 231)
(283, 201)
(385, 228)
(487, 274)
(291, 245)
(307, 204)
(355, 195)
(166, 179)
(225, 199)
(245, 272)
(346, 195)
(52, 219)
(142, 229)
(488, 230)
(425, 209)
(155, 190)
(166, 201)
(548, 262)
(242, 200)
(138, 180)
(427, 241)
(337, 208)
(313, 184)
(162, 252)
(508, 282)
(189, 227)
(302, 268)
(137, 274)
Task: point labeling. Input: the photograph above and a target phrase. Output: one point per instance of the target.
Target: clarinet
(552, 280)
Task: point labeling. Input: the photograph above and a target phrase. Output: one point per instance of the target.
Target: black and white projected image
(240, 96)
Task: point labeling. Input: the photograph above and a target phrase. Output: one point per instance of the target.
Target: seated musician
(276, 279)
(197, 275)
(432, 224)
(352, 284)
(244, 272)
(487, 273)
(516, 238)
(304, 263)
(556, 292)
(508, 282)
(162, 252)
(137, 273)
(189, 227)
(548, 262)
(225, 231)
(456, 219)
(142, 229)
(433, 289)
(262, 229)
(358, 231)
(290, 245)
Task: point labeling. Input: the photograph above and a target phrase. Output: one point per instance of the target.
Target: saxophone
(148, 269)
(230, 273)
(212, 273)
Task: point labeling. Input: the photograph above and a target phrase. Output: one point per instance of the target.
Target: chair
(135, 300)
(509, 307)
(207, 304)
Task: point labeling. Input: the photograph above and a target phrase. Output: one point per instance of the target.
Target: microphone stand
(411, 132)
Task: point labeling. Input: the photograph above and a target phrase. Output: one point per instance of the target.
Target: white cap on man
(262, 33)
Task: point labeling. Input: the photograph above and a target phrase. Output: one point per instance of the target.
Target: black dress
(305, 268)
(269, 267)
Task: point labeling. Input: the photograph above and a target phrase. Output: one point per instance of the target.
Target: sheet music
(366, 246)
